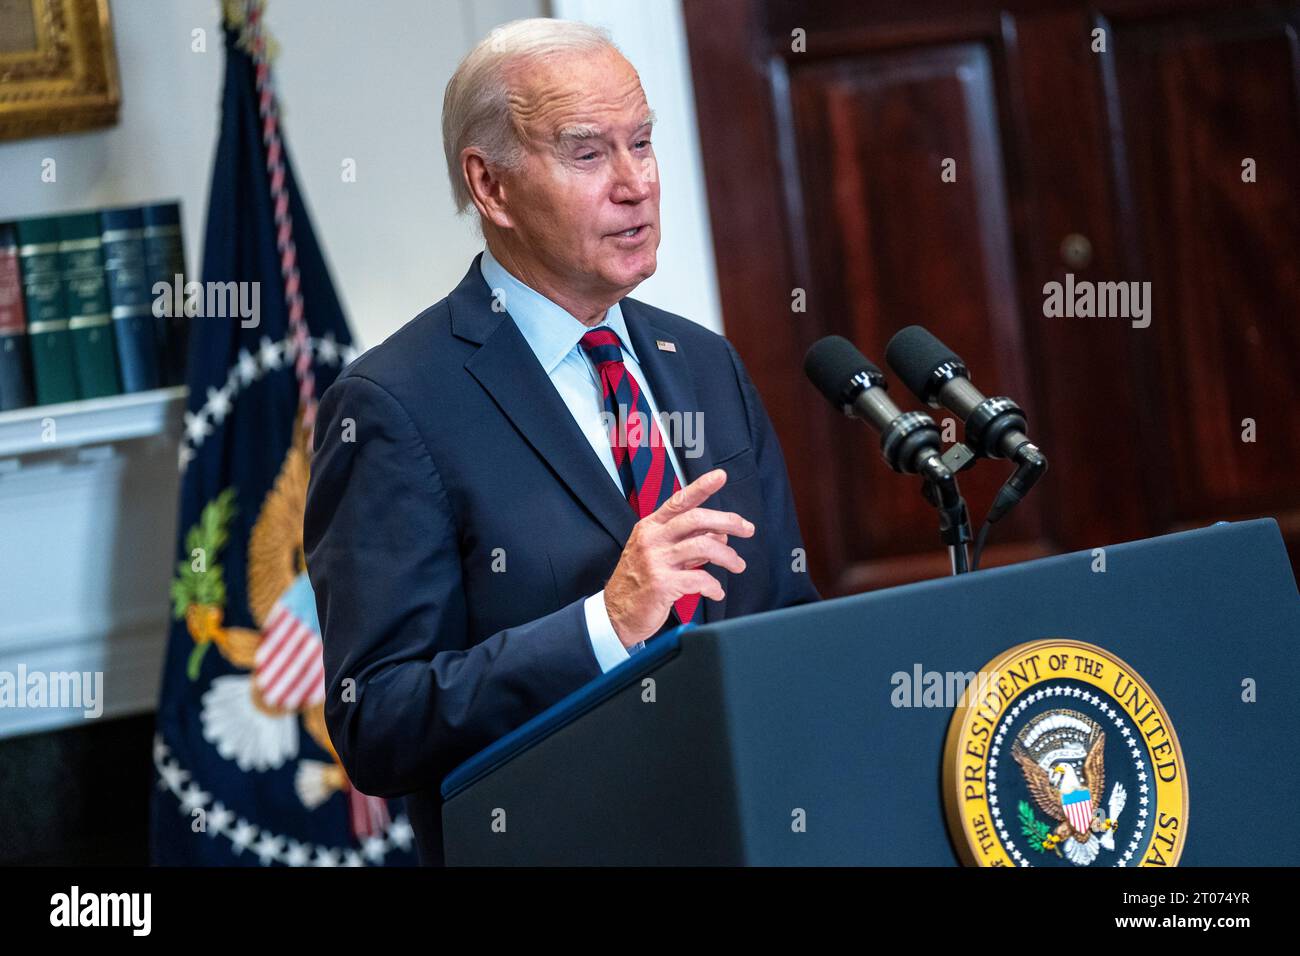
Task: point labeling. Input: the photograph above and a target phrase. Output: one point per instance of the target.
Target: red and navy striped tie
(639, 453)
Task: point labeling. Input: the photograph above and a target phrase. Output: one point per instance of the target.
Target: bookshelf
(112, 419)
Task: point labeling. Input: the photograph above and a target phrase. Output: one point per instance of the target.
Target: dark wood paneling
(891, 242)
(1194, 97)
(823, 169)
(1086, 401)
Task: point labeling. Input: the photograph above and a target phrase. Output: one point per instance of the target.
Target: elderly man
(508, 495)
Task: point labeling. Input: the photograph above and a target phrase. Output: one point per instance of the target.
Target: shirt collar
(550, 331)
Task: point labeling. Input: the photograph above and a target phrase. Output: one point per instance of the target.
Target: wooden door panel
(1196, 95)
(891, 242)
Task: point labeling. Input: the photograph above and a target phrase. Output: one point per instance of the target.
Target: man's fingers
(702, 520)
(699, 550)
(696, 493)
(701, 582)
(712, 536)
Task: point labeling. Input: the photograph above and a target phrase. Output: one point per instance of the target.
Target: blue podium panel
(798, 737)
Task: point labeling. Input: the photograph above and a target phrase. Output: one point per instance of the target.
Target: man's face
(589, 175)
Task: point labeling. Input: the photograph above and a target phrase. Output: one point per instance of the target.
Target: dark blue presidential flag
(246, 773)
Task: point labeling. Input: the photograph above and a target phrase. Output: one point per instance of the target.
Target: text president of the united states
(536, 475)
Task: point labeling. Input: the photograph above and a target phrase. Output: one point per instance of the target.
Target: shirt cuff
(609, 650)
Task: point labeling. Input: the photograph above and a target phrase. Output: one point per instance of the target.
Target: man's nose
(632, 179)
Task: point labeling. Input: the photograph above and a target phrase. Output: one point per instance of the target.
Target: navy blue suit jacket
(463, 454)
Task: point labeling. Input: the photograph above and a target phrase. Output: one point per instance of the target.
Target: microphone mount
(941, 491)
(909, 444)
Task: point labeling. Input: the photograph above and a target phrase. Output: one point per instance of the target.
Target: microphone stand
(940, 490)
(909, 444)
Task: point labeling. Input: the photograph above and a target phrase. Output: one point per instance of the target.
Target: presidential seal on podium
(1059, 754)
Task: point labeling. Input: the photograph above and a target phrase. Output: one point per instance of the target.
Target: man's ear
(485, 188)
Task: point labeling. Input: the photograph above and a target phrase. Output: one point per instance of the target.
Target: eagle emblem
(253, 718)
(1049, 750)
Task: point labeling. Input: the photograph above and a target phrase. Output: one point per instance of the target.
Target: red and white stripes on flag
(289, 670)
(369, 815)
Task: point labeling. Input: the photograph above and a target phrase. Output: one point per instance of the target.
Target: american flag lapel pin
(666, 346)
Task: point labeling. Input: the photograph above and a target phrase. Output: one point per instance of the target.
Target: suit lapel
(507, 368)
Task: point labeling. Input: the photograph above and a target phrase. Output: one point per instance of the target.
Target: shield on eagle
(1078, 808)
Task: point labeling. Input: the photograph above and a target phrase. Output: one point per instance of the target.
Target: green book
(53, 369)
(90, 314)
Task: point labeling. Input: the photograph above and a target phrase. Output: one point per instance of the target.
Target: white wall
(359, 81)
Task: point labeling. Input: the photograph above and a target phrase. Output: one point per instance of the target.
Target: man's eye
(586, 156)
(642, 143)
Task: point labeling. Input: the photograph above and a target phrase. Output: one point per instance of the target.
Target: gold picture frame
(58, 70)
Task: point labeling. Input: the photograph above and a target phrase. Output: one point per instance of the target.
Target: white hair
(476, 105)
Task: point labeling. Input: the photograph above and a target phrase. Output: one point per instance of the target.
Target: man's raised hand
(664, 557)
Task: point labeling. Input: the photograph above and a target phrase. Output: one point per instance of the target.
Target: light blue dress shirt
(553, 335)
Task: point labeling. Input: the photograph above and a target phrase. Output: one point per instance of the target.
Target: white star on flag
(400, 833)
(172, 776)
(327, 349)
(243, 836)
(297, 854)
(247, 367)
(219, 817)
(269, 354)
(196, 427)
(193, 798)
(373, 848)
(325, 857)
(219, 404)
(268, 848)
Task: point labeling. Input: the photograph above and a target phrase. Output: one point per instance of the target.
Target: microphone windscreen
(914, 354)
(832, 363)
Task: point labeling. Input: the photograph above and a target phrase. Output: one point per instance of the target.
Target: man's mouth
(632, 233)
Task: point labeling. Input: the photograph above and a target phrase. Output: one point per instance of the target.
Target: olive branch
(1032, 827)
(205, 585)
(209, 536)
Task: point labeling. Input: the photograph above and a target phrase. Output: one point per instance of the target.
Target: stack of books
(89, 305)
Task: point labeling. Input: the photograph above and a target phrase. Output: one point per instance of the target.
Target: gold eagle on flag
(253, 719)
